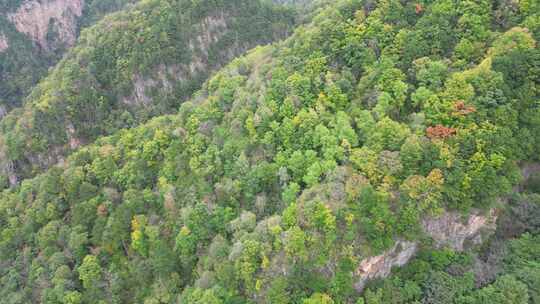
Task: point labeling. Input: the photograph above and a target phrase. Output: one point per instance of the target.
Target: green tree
(319, 298)
(90, 274)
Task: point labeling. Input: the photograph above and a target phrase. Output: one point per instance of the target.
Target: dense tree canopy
(24, 62)
(131, 66)
(291, 164)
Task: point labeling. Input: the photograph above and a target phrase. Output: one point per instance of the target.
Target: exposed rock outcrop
(197, 44)
(451, 229)
(3, 42)
(529, 169)
(447, 230)
(37, 18)
(74, 141)
(380, 266)
(3, 111)
(211, 29)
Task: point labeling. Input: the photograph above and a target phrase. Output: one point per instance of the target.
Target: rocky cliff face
(448, 230)
(451, 230)
(38, 18)
(211, 29)
(198, 45)
(380, 266)
(34, 35)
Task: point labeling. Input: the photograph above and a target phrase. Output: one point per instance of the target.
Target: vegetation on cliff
(25, 61)
(290, 166)
(131, 66)
(506, 269)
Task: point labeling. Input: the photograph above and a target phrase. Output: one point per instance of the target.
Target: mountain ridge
(33, 37)
(90, 92)
(299, 161)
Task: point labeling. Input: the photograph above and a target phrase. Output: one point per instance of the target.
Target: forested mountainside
(132, 65)
(380, 131)
(35, 34)
(300, 3)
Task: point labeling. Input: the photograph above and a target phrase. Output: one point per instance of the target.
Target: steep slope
(33, 37)
(131, 66)
(291, 166)
(505, 270)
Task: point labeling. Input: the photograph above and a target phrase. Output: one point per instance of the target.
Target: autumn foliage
(419, 8)
(440, 132)
(462, 109)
